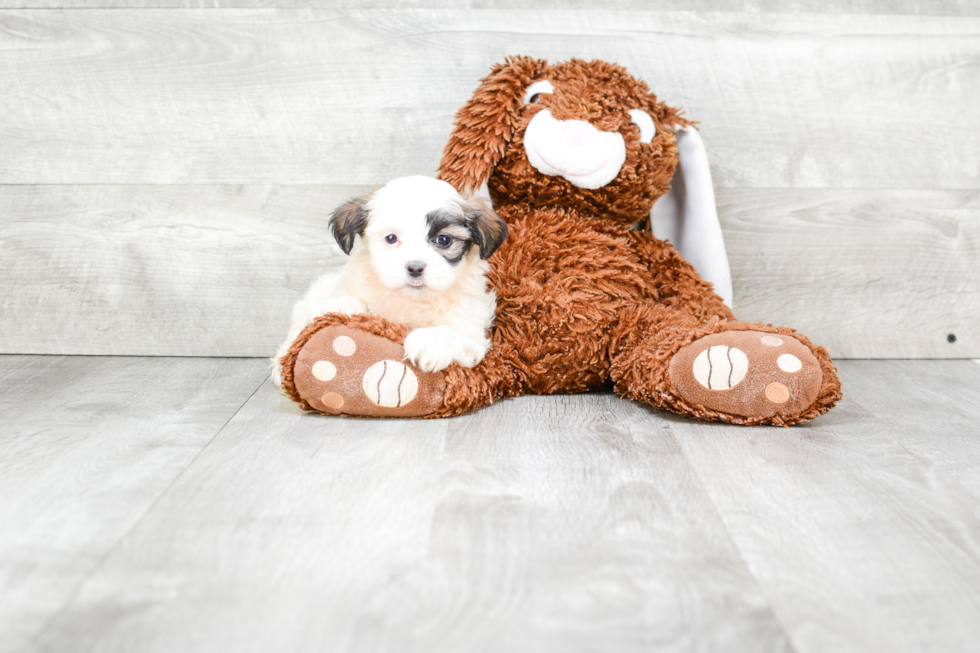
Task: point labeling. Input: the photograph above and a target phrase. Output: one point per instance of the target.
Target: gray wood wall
(167, 167)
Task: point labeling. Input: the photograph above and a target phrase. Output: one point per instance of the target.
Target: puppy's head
(419, 233)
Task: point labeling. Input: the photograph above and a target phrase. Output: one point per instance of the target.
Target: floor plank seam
(108, 554)
(741, 556)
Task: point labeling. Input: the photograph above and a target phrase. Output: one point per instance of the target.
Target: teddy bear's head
(579, 134)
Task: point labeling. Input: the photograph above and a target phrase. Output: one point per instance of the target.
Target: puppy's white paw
(276, 372)
(435, 348)
(307, 310)
(343, 304)
(304, 312)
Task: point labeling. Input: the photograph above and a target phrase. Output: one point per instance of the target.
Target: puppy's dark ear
(489, 229)
(349, 220)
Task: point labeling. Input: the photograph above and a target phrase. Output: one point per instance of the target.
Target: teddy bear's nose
(578, 133)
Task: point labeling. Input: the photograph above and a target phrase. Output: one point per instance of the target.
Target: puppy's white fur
(447, 306)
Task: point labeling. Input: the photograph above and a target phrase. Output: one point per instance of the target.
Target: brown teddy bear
(573, 156)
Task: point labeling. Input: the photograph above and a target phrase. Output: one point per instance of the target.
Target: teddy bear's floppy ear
(486, 123)
(688, 217)
(671, 118)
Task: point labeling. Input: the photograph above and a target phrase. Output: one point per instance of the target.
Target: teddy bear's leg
(677, 283)
(355, 365)
(722, 370)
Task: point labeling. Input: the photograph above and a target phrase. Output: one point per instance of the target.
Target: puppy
(418, 256)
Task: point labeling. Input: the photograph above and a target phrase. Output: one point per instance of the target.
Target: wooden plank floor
(168, 504)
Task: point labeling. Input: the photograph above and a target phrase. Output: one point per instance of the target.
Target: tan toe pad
(346, 371)
(747, 373)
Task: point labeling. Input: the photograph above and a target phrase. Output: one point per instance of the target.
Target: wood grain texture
(352, 97)
(165, 174)
(878, 7)
(863, 526)
(542, 524)
(869, 274)
(572, 523)
(87, 446)
(214, 270)
(160, 270)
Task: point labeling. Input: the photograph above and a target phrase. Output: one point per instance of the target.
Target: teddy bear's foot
(762, 377)
(341, 370)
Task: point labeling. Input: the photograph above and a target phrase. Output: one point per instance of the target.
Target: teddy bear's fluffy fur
(584, 299)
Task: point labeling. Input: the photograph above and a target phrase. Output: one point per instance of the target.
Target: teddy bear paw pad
(747, 373)
(346, 371)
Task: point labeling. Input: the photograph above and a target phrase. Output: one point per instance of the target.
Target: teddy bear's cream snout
(574, 149)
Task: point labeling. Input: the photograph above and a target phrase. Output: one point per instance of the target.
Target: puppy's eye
(442, 240)
(642, 119)
(391, 239)
(533, 93)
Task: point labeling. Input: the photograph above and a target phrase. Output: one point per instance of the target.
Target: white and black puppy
(418, 257)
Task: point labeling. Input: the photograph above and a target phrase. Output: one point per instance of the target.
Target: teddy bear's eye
(533, 93)
(642, 119)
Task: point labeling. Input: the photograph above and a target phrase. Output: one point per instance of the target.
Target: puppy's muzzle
(415, 268)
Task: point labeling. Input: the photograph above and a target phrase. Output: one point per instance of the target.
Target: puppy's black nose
(415, 268)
